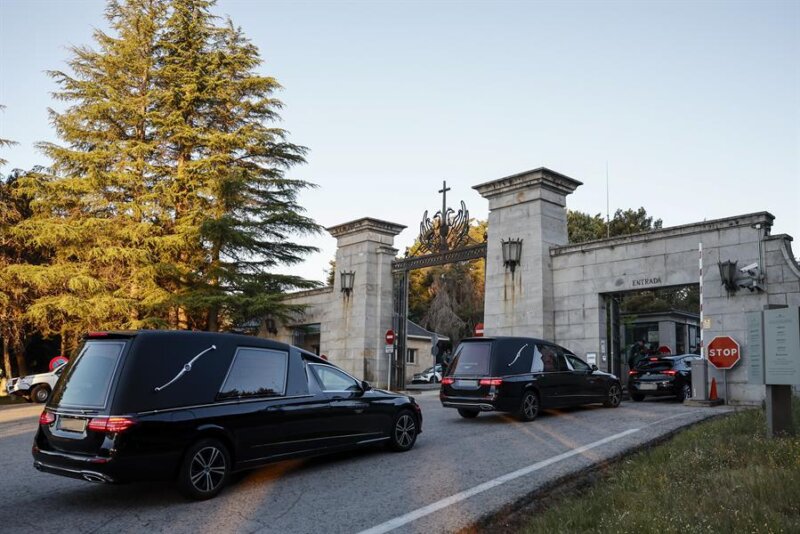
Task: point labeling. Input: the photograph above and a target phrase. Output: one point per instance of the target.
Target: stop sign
(723, 352)
(390, 337)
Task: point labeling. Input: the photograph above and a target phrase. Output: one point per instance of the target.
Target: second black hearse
(197, 406)
(522, 375)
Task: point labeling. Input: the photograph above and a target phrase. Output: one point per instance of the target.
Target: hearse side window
(88, 382)
(332, 379)
(578, 364)
(537, 365)
(256, 372)
(552, 361)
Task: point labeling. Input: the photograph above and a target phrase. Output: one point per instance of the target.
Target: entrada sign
(638, 282)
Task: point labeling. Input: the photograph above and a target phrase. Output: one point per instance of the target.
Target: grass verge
(722, 475)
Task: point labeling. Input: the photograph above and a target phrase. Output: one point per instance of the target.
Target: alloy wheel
(530, 406)
(207, 470)
(405, 430)
(614, 396)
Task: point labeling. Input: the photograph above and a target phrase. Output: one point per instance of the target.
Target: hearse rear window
(88, 381)
(472, 359)
(256, 372)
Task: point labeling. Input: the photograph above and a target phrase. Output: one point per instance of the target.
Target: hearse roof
(236, 338)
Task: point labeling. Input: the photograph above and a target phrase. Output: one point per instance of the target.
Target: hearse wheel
(529, 407)
(614, 396)
(40, 394)
(404, 431)
(685, 393)
(205, 469)
(467, 413)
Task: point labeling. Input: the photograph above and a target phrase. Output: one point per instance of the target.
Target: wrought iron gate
(443, 238)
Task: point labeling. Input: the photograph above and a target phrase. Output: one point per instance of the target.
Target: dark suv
(522, 375)
(661, 376)
(198, 406)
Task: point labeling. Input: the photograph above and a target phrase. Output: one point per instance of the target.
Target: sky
(694, 107)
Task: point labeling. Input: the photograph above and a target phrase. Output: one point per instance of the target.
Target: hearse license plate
(71, 424)
(648, 386)
(465, 383)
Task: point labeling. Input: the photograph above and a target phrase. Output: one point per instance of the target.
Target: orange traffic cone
(713, 395)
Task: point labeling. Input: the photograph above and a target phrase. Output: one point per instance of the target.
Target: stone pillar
(357, 322)
(531, 206)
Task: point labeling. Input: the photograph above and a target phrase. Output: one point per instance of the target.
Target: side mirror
(594, 368)
(365, 385)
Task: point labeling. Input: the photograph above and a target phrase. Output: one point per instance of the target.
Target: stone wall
(584, 273)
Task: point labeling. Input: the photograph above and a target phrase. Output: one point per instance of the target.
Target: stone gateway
(558, 291)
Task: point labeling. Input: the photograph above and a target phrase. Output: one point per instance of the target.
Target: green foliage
(685, 298)
(720, 476)
(449, 299)
(168, 201)
(583, 227)
(5, 142)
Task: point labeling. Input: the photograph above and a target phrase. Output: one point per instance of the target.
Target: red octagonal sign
(723, 352)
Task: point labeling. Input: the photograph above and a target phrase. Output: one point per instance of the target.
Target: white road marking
(480, 488)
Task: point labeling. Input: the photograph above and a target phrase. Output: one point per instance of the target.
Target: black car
(521, 376)
(662, 376)
(195, 407)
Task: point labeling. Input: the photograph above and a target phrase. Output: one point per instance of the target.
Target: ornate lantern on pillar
(512, 252)
(347, 277)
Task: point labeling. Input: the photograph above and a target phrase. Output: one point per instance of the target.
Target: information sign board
(782, 346)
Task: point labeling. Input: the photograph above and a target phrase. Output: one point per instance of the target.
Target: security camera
(751, 269)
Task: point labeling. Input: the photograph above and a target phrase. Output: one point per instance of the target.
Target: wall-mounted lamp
(748, 277)
(348, 278)
(512, 251)
(727, 273)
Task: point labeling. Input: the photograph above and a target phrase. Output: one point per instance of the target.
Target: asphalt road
(459, 471)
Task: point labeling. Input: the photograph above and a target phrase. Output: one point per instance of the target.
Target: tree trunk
(213, 318)
(6, 358)
(22, 365)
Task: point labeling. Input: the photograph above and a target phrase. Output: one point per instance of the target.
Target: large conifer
(233, 200)
(167, 201)
(95, 207)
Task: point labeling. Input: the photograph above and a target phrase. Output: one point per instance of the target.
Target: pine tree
(96, 208)
(167, 203)
(234, 203)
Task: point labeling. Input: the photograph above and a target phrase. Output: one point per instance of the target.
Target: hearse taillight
(111, 424)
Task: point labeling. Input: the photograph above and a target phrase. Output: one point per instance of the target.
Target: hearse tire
(403, 432)
(40, 394)
(529, 407)
(468, 414)
(205, 470)
(614, 396)
(638, 397)
(684, 393)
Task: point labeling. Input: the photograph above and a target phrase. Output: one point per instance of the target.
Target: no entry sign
(723, 352)
(479, 330)
(390, 337)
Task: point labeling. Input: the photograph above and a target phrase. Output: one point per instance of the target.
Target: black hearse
(197, 406)
(522, 375)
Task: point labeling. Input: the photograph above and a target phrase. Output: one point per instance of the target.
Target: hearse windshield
(88, 381)
(472, 359)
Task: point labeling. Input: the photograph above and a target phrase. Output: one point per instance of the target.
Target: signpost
(723, 352)
(781, 367)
